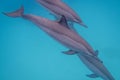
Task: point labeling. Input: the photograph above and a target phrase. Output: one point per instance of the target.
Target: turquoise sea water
(27, 53)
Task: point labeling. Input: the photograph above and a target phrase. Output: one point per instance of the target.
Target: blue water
(27, 53)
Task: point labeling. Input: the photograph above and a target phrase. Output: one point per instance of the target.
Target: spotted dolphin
(58, 8)
(61, 32)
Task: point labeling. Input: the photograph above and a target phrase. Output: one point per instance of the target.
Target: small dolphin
(58, 8)
(98, 68)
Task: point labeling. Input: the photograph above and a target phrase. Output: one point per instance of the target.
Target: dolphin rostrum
(61, 32)
(58, 8)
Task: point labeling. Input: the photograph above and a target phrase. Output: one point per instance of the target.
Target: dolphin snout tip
(84, 25)
(4, 13)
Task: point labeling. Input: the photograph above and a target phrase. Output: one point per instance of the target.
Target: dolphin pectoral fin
(69, 52)
(92, 75)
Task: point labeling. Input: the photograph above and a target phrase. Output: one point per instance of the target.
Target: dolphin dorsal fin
(63, 22)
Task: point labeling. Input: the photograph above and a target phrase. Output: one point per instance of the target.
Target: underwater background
(27, 53)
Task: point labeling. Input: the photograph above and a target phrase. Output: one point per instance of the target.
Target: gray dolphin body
(61, 32)
(58, 31)
(58, 8)
(98, 68)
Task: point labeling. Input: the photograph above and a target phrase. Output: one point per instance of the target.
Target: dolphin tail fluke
(17, 13)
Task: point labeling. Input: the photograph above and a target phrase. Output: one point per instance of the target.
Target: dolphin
(58, 8)
(63, 34)
(57, 30)
(98, 68)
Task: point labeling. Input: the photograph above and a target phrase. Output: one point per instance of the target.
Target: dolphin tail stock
(17, 13)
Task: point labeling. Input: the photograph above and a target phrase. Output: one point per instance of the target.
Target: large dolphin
(58, 8)
(57, 30)
(61, 32)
